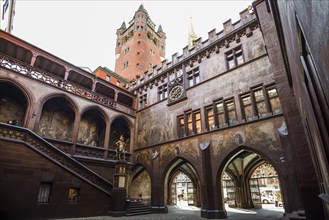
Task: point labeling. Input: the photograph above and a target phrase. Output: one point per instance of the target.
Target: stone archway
(57, 119)
(13, 104)
(182, 184)
(140, 185)
(92, 128)
(249, 180)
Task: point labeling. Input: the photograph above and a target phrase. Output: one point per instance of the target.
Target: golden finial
(192, 35)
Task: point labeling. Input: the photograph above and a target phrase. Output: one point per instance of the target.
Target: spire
(123, 26)
(141, 8)
(192, 35)
(160, 29)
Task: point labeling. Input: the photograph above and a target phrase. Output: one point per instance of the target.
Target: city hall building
(238, 119)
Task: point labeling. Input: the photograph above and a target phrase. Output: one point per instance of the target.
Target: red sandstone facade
(222, 108)
(139, 46)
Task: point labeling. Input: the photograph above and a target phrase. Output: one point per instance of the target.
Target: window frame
(162, 92)
(44, 193)
(193, 76)
(190, 118)
(142, 101)
(233, 55)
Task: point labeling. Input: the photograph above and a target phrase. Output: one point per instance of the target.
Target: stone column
(210, 208)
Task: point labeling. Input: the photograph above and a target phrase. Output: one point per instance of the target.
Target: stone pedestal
(118, 202)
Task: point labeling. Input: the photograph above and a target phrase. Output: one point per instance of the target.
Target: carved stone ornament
(155, 154)
(204, 145)
(283, 130)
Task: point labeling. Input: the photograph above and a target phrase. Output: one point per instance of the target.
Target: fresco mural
(92, 129)
(11, 109)
(57, 119)
(263, 133)
(141, 187)
(153, 129)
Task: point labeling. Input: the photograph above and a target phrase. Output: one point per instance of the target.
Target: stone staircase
(138, 208)
(41, 146)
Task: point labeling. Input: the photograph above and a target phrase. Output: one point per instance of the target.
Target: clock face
(176, 92)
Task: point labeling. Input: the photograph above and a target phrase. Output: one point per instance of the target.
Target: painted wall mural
(153, 128)
(141, 187)
(57, 120)
(263, 133)
(11, 109)
(92, 129)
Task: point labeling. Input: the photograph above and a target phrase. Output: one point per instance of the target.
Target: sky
(83, 32)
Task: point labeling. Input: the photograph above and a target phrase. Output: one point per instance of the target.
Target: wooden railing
(61, 158)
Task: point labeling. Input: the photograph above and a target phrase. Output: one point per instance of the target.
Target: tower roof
(141, 8)
(123, 26)
(160, 29)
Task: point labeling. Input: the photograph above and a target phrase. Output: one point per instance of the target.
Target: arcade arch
(13, 104)
(92, 128)
(57, 119)
(249, 181)
(119, 127)
(140, 187)
(182, 185)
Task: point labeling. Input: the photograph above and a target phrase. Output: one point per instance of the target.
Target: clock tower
(139, 46)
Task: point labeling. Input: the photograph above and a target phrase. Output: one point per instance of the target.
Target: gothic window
(126, 51)
(247, 110)
(220, 113)
(189, 123)
(193, 77)
(74, 194)
(138, 43)
(162, 92)
(260, 102)
(44, 192)
(225, 113)
(274, 100)
(118, 83)
(138, 53)
(197, 122)
(210, 118)
(142, 101)
(181, 126)
(137, 65)
(125, 64)
(107, 78)
(231, 113)
(234, 58)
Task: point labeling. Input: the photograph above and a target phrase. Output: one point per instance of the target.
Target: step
(138, 213)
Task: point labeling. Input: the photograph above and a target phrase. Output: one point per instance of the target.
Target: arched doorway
(57, 119)
(92, 128)
(181, 190)
(182, 185)
(265, 181)
(140, 187)
(249, 181)
(13, 104)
